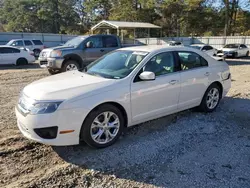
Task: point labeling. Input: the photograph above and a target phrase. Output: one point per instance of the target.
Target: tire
(21, 61)
(235, 55)
(247, 54)
(205, 105)
(37, 52)
(52, 71)
(90, 130)
(70, 65)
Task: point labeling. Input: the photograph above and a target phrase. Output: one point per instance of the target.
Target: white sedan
(15, 56)
(205, 48)
(123, 88)
(234, 50)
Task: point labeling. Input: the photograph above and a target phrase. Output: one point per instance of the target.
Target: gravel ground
(187, 149)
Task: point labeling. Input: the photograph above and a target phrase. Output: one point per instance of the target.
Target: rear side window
(37, 42)
(27, 43)
(110, 41)
(191, 60)
(8, 50)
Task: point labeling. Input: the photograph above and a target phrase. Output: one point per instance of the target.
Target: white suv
(33, 45)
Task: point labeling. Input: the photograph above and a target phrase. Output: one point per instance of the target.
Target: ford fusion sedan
(121, 89)
(234, 50)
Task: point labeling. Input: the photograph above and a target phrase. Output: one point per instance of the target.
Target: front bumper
(52, 63)
(226, 54)
(69, 119)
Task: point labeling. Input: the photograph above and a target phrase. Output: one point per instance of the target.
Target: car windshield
(116, 65)
(196, 47)
(10, 42)
(75, 41)
(231, 46)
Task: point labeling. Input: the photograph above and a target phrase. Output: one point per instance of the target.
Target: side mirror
(147, 76)
(240, 47)
(89, 44)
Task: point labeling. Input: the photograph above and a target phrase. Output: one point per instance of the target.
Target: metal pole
(134, 35)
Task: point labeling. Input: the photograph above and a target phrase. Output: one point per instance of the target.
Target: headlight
(44, 107)
(56, 53)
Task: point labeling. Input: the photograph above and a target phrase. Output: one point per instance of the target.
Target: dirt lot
(187, 149)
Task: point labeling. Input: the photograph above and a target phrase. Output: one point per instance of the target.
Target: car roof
(200, 45)
(153, 48)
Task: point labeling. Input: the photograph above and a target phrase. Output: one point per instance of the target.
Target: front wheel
(247, 54)
(52, 71)
(211, 98)
(70, 65)
(102, 126)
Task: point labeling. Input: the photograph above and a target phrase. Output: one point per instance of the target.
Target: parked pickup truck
(77, 52)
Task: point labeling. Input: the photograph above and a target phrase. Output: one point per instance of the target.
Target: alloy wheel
(105, 127)
(213, 98)
(71, 67)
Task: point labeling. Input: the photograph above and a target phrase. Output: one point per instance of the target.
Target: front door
(150, 99)
(194, 79)
(90, 54)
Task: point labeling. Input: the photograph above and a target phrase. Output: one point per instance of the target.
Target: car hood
(60, 48)
(229, 49)
(66, 86)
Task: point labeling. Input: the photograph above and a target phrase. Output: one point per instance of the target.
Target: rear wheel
(21, 61)
(102, 126)
(247, 54)
(211, 98)
(70, 65)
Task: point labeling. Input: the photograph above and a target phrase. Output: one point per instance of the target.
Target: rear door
(9, 55)
(194, 79)
(110, 43)
(93, 53)
(28, 44)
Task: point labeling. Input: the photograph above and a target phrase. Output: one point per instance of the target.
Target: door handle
(101, 50)
(207, 74)
(173, 82)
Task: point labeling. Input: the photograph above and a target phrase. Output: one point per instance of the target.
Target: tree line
(177, 17)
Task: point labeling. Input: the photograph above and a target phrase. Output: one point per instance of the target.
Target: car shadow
(29, 66)
(157, 152)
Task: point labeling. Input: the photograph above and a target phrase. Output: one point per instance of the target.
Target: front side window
(191, 60)
(209, 47)
(96, 41)
(161, 64)
(116, 65)
(17, 43)
(243, 46)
